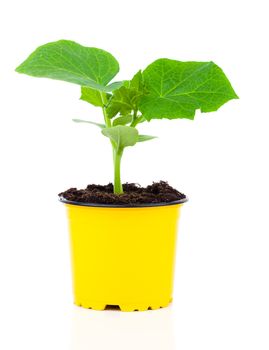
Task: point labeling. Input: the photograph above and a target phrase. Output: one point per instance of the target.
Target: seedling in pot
(165, 89)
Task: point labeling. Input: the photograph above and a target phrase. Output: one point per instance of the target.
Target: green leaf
(121, 102)
(136, 82)
(74, 63)
(177, 89)
(121, 136)
(92, 96)
(102, 126)
(142, 138)
(113, 86)
(125, 99)
(126, 119)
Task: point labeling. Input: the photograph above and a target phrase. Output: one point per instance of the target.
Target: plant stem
(104, 100)
(117, 154)
(117, 178)
(134, 118)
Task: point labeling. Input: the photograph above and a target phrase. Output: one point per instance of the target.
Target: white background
(220, 161)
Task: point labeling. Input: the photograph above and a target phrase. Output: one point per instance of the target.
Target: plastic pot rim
(134, 205)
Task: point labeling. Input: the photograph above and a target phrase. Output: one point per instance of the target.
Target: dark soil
(158, 192)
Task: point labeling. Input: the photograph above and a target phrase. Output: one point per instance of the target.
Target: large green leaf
(177, 89)
(121, 136)
(71, 62)
(125, 99)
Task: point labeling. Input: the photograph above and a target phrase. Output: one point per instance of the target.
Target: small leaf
(121, 136)
(121, 102)
(102, 126)
(126, 119)
(92, 96)
(177, 89)
(136, 82)
(125, 99)
(66, 60)
(142, 138)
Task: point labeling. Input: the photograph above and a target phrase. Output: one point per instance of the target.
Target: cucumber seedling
(165, 89)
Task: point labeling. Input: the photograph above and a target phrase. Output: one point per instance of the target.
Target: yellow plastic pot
(123, 256)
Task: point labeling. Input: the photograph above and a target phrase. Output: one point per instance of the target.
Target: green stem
(134, 118)
(104, 100)
(117, 178)
(117, 154)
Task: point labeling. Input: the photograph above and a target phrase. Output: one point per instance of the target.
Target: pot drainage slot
(112, 307)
